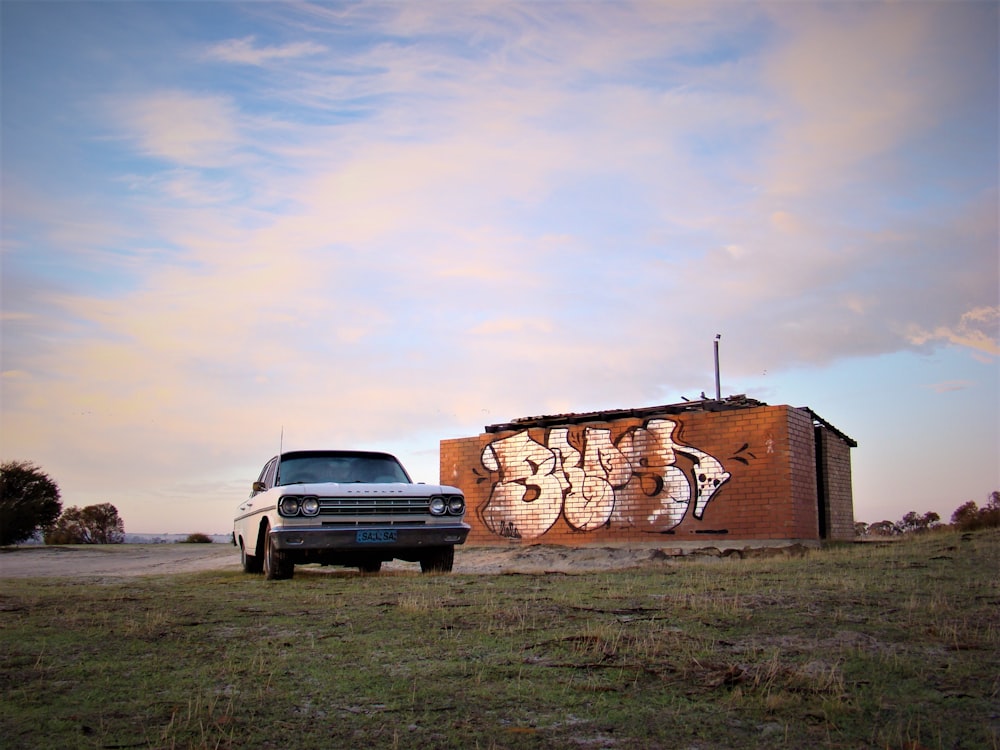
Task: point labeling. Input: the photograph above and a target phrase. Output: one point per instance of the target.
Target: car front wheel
(438, 560)
(250, 563)
(277, 566)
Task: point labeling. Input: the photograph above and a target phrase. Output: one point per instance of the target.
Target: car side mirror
(258, 487)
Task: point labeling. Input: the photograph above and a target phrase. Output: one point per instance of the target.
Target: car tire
(438, 560)
(277, 566)
(250, 563)
(370, 566)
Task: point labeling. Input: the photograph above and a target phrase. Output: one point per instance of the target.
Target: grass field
(856, 646)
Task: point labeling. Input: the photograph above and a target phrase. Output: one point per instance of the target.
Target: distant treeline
(967, 517)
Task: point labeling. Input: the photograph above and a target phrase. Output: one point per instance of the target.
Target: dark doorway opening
(822, 498)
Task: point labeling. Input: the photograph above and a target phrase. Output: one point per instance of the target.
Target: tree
(883, 528)
(909, 522)
(29, 501)
(994, 501)
(969, 516)
(913, 523)
(965, 514)
(95, 524)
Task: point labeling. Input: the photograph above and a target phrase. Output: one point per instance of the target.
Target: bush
(198, 538)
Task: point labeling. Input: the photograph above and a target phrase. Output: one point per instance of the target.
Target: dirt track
(127, 560)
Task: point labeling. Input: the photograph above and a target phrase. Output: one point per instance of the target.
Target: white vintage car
(352, 508)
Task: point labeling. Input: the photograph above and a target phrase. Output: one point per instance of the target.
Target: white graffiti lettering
(631, 482)
(528, 489)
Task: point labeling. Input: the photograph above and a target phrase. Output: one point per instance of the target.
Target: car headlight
(456, 505)
(288, 506)
(438, 506)
(309, 506)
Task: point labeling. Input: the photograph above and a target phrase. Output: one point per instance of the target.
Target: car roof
(338, 454)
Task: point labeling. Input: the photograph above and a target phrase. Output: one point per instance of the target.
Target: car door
(246, 516)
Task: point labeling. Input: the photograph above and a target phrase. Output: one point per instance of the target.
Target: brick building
(735, 469)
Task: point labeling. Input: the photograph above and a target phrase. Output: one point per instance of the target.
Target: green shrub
(198, 538)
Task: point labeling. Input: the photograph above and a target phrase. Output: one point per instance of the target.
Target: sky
(233, 226)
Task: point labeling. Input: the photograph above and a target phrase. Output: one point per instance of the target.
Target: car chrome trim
(327, 538)
(257, 512)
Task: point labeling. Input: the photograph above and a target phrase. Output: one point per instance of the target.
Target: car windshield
(343, 469)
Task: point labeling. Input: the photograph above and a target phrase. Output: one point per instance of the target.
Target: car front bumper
(362, 538)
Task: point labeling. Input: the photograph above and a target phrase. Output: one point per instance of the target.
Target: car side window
(266, 477)
(269, 472)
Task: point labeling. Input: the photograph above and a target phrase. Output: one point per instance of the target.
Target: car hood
(341, 489)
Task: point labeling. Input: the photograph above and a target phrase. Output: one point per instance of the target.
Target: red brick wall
(833, 456)
(804, 521)
(637, 480)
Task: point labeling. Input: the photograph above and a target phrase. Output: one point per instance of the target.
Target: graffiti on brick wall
(593, 482)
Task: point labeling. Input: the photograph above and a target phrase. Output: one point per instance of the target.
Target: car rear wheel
(438, 560)
(277, 566)
(250, 563)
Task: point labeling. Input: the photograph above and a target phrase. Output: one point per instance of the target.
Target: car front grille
(373, 506)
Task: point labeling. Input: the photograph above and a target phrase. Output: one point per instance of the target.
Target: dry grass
(857, 646)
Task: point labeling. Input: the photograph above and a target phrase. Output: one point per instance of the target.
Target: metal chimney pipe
(718, 382)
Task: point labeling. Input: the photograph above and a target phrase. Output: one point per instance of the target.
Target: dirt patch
(544, 558)
(115, 560)
(127, 560)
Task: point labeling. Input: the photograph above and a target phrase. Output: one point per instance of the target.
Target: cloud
(418, 198)
(512, 325)
(182, 127)
(977, 329)
(950, 386)
(845, 78)
(246, 51)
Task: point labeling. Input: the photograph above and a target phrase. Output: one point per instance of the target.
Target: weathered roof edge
(549, 420)
(727, 404)
(817, 418)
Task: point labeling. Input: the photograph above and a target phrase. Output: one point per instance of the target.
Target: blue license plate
(376, 536)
